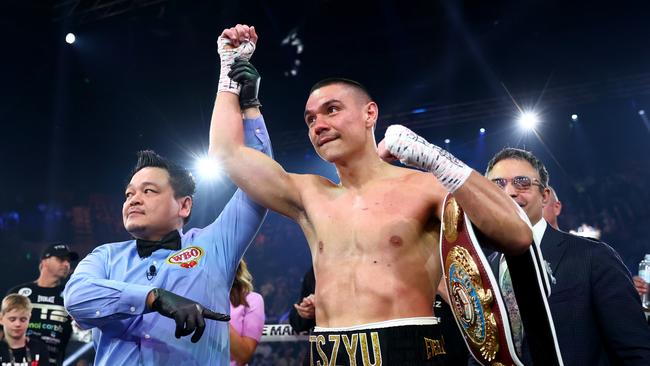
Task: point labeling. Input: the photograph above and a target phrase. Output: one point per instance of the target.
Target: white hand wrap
(415, 151)
(228, 56)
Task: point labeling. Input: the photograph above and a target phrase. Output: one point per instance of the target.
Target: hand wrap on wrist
(228, 56)
(415, 151)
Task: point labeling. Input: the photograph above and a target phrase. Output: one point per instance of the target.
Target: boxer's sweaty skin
(375, 250)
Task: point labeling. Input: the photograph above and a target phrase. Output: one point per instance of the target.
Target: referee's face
(150, 210)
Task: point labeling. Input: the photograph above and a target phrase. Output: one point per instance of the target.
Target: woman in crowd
(246, 317)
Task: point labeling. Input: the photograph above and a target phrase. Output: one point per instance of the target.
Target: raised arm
(495, 214)
(263, 179)
(489, 208)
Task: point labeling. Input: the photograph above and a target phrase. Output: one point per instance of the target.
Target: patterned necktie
(516, 327)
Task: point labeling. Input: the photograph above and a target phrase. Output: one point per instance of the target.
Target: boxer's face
(337, 118)
(150, 209)
(531, 199)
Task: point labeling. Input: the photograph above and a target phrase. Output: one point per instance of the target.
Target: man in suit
(552, 209)
(595, 308)
(303, 315)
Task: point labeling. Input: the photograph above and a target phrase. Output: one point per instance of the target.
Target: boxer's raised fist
(234, 43)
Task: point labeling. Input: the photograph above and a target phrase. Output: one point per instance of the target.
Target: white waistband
(423, 320)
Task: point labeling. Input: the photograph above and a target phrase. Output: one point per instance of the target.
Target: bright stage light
(70, 38)
(574, 117)
(528, 120)
(447, 141)
(481, 131)
(208, 168)
(641, 112)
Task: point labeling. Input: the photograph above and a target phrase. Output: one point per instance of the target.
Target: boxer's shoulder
(424, 183)
(413, 175)
(312, 182)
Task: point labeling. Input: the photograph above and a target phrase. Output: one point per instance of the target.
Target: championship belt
(477, 302)
(473, 291)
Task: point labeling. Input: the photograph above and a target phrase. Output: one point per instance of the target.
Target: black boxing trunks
(403, 342)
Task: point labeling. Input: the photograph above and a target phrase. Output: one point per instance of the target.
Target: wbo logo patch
(186, 258)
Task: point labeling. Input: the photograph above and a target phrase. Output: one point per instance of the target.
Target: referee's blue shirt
(108, 289)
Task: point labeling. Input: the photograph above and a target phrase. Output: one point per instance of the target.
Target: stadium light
(70, 38)
(528, 120)
(208, 168)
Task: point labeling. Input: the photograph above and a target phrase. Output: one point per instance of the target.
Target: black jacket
(308, 287)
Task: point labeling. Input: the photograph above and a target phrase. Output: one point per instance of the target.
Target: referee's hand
(189, 315)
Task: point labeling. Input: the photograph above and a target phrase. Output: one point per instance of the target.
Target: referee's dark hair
(180, 178)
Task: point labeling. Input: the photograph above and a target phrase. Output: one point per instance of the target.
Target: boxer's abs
(375, 254)
(375, 285)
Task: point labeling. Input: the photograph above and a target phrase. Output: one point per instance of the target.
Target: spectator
(246, 317)
(303, 314)
(16, 348)
(595, 308)
(51, 322)
(552, 209)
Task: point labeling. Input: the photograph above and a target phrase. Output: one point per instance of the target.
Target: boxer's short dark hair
(337, 80)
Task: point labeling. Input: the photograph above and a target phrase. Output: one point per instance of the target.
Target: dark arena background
(568, 80)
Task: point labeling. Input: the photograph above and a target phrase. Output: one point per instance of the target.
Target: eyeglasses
(521, 182)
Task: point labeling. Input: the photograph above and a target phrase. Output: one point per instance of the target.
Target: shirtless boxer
(373, 236)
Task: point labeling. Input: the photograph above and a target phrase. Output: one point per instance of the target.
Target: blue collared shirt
(108, 289)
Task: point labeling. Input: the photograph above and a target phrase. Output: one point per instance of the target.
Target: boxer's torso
(375, 249)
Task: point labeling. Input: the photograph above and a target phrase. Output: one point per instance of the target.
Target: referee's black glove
(247, 76)
(189, 315)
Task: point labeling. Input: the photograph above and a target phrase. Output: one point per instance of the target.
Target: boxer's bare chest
(388, 216)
